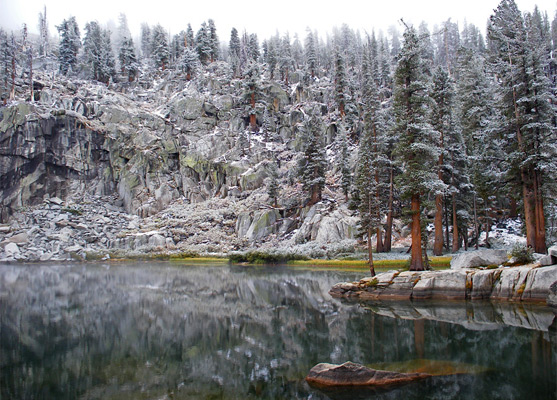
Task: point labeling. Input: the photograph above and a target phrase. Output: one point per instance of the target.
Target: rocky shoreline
(530, 283)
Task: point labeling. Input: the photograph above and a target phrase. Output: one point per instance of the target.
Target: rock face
(528, 283)
(352, 374)
(479, 258)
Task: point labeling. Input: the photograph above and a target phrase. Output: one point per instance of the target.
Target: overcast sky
(257, 16)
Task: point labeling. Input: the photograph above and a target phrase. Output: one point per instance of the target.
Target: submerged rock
(352, 374)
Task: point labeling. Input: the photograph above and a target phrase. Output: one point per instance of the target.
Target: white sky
(258, 16)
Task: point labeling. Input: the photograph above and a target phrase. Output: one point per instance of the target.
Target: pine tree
(285, 58)
(519, 58)
(107, 69)
(92, 48)
(70, 43)
(253, 47)
(340, 83)
(128, 60)
(190, 38)
(252, 90)
(416, 148)
(213, 40)
(160, 51)
(234, 48)
(344, 161)
(203, 44)
(189, 62)
(146, 38)
(476, 115)
(311, 54)
(273, 187)
(5, 66)
(312, 165)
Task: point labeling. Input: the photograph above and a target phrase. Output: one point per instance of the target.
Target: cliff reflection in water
(156, 330)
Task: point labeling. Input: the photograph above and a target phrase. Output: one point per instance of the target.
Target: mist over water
(160, 330)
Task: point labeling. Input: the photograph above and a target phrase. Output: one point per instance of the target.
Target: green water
(170, 331)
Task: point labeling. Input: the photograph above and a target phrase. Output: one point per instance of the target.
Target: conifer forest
(449, 128)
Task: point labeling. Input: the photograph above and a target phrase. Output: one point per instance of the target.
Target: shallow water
(171, 331)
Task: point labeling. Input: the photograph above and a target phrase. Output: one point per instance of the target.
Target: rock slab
(352, 374)
(479, 258)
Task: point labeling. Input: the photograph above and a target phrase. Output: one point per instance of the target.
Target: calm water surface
(169, 331)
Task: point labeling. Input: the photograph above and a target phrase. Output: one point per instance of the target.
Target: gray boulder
(479, 258)
(550, 258)
(552, 295)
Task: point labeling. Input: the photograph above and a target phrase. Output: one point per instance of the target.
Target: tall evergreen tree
(146, 37)
(311, 54)
(213, 40)
(340, 83)
(519, 59)
(128, 60)
(70, 43)
(416, 149)
(252, 90)
(160, 51)
(189, 62)
(312, 165)
(43, 34)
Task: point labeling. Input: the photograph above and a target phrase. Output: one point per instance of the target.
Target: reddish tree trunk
(370, 253)
(438, 223)
(539, 245)
(387, 245)
(416, 263)
(456, 241)
(529, 212)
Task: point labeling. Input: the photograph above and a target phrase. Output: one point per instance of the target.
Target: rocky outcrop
(479, 258)
(552, 295)
(528, 283)
(351, 374)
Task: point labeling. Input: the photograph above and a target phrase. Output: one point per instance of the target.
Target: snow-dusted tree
(371, 162)
(340, 83)
(313, 163)
(252, 90)
(70, 42)
(243, 143)
(285, 58)
(273, 186)
(476, 116)
(297, 51)
(190, 37)
(311, 53)
(452, 165)
(43, 34)
(519, 58)
(213, 40)
(203, 43)
(5, 66)
(253, 47)
(145, 40)
(27, 59)
(448, 43)
(128, 60)
(189, 62)
(107, 69)
(416, 149)
(98, 52)
(272, 55)
(160, 51)
(234, 49)
(344, 160)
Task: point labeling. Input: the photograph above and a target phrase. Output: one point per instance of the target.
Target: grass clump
(262, 257)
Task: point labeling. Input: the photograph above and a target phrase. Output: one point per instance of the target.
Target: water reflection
(166, 331)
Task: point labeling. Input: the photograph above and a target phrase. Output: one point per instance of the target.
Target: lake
(155, 330)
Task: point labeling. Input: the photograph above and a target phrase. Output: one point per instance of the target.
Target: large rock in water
(479, 258)
(352, 374)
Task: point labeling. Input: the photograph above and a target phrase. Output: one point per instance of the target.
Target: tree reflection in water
(158, 330)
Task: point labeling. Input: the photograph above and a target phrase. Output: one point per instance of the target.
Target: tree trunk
(487, 223)
(370, 253)
(539, 245)
(456, 241)
(529, 213)
(252, 116)
(387, 245)
(438, 223)
(416, 263)
(476, 229)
